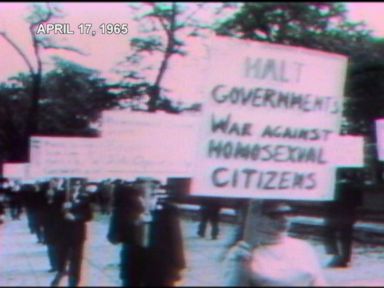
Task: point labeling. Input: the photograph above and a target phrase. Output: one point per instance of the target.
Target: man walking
(76, 211)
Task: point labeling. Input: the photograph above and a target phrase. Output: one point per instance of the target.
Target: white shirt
(291, 262)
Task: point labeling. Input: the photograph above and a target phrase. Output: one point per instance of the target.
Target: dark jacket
(74, 231)
(164, 256)
(33, 200)
(53, 215)
(348, 193)
(166, 241)
(125, 213)
(342, 211)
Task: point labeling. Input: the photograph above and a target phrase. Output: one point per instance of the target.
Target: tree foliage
(316, 25)
(72, 97)
(14, 104)
(40, 15)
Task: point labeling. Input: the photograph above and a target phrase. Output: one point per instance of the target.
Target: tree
(13, 108)
(163, 25)
(364, 91)
(72, 97)
(316, 25)
(40, 15)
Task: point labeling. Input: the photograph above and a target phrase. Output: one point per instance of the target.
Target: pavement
(24, 262)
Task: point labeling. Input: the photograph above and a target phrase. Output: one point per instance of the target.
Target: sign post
(379, 125)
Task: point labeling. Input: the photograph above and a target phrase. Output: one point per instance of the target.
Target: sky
(105, 51)
(370, 12)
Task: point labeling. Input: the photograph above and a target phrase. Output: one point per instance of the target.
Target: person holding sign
(15, 202)
(34, 202)
(209, 212)
(268, 257)
(341, 216)
(3, 195)
(52, 218)
(76, 211)
(152, 252)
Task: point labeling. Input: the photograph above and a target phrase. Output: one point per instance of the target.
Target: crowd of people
(145, 222)
(140, 211)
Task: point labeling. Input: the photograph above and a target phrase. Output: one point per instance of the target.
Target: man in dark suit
(124, 228)
(76, 211)
(34, 201)
(341, 216)
(209, 212)
(15, 200)
(3, 195)
(152, 252)
(54, 198)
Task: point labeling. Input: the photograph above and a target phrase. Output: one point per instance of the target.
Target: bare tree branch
(61, 47)
(18, 50)
(36, 49)
(45, 19)
(164, 25)
(190, 16)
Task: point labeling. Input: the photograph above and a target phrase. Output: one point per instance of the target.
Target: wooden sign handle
(254, 210)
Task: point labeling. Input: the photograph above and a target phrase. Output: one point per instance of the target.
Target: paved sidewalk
(23, 262)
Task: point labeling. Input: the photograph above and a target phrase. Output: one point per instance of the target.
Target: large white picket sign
(62, 156)
(346, 151)
(269, 113)
(150, 144)
(133, 144)
(14, 170)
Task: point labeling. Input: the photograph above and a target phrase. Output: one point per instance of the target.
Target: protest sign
(145, 152)
(150, 144)
(61, 156)
(14, 170)
(269, 112)
(346, 151)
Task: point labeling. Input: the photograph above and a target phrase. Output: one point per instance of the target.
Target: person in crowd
(149, 229)
(240, 208)
(76, 211)
(27, 190)
(105, 195)
(92, 190)
(34, 203)
(54, 198)
(267, 256)
(15, 200)
(123, 229)
(4, 193)
(209, 212)
(341, 217)
(2, 201)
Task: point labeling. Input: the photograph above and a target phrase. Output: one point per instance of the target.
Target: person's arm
(80, 211)
(237, 261)
(114, 233)
(317, 272)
